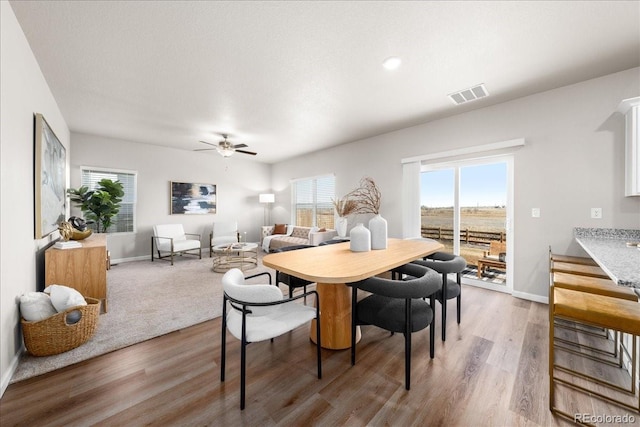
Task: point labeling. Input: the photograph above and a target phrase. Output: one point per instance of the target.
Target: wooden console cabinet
(84, 269)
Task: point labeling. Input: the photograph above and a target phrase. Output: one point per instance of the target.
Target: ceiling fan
(226, 149)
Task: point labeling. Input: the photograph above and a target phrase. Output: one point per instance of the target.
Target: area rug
(145, 300)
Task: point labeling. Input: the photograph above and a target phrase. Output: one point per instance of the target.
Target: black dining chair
(332, 242)
(445, 264)
(397, 306)
(292, 282)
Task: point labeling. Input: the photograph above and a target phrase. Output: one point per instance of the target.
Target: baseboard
(145, 258)
(531, 297)
(136, 258)
(6, 378)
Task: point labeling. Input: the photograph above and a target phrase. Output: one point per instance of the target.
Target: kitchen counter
(608, 247)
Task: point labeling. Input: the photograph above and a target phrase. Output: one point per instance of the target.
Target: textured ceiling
(287, 78)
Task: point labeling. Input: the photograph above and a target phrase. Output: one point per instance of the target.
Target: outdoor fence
(466, 235)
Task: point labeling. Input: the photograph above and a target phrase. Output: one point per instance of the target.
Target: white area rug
(145, 300)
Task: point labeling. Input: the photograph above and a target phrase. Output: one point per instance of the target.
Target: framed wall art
(193, 199)
(50, 163)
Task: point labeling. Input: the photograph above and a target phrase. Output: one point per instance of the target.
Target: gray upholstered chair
(259, 313)
(170, 240)
(397, 306)
(445, 264)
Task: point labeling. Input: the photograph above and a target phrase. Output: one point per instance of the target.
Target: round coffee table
(236, 255)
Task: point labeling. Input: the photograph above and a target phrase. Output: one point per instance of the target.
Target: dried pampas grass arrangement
(345, 206)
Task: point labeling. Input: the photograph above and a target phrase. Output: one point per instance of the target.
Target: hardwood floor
(491, 371)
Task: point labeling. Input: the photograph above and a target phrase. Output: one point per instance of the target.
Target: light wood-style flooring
(492, 371)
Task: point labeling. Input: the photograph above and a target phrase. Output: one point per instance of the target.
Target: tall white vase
(378, 228)
(341, 226)
(360, 238)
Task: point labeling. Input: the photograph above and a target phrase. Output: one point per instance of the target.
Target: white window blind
(125, 220)
(312, 201)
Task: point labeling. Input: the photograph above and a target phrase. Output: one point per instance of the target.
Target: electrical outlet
(596, 213)
(535, 212)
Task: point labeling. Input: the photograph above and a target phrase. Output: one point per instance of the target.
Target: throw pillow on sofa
(280, 229)
(63, 297)
(36, 306)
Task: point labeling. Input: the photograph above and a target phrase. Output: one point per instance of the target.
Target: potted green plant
(99, 205)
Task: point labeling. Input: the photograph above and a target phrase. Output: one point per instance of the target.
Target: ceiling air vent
(471, 94)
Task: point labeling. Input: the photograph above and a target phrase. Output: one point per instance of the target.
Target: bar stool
(589, 284)
(593, 285)
(579, 269)
(445, 264)
(573, 259)
(616, 314)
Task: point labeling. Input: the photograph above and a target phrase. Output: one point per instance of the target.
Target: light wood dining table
(332, 267)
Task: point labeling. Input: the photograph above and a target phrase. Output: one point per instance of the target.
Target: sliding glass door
(466, 206)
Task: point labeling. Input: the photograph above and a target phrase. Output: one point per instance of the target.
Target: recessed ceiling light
(392, 62)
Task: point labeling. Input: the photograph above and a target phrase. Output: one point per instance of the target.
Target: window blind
(312, 201)
(125, 220)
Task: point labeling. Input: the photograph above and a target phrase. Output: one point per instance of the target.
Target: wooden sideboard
(84, 269)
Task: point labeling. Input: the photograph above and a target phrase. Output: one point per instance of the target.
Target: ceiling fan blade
(204, 149)
(208, 143)
(246, 152)
(240, 146)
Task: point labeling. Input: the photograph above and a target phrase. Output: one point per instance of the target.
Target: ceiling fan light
(225, 151)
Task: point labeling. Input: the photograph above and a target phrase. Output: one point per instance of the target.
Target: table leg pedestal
(335, 315)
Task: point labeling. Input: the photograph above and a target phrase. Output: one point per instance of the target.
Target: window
(312, 201)
(125, 220)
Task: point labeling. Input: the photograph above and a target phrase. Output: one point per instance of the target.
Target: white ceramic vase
(378, 229)
(341, 226)
(360, 238)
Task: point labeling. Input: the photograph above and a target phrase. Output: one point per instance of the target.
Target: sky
(482, 185)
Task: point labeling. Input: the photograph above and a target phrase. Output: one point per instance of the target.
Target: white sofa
(295, 235)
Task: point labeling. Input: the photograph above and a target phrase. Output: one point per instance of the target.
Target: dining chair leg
(243, 359)
(459, 299)
(223, 345)
(443, 305)
(407, 344)
(354, 296)
(318, 340)
(432, 327)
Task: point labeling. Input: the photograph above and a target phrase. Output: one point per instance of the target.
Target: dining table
(333, 266)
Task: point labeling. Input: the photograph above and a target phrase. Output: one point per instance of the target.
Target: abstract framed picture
(193, 199)
(50, 163)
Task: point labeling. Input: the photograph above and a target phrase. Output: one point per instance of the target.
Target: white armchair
(222, 233)
(170, 239)
(258, 313)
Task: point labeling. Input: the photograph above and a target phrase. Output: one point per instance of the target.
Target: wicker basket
(54, 335)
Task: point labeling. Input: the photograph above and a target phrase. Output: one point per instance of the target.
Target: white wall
(573, 160)
(238, 181)
(24, 92)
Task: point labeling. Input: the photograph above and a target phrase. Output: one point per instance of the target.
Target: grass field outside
(484, 218)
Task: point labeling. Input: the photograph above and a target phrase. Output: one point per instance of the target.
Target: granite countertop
(608, 247)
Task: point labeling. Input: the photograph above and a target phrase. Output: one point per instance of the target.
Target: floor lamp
(266, 199)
